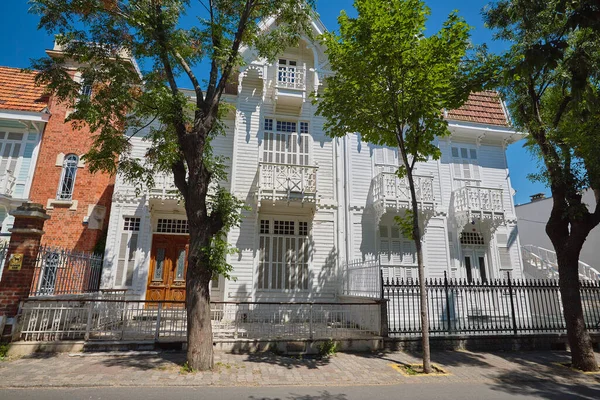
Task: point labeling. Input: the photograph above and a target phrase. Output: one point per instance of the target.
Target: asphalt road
(413, 391)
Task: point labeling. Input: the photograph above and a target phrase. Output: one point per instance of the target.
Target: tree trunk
(199, 327)
(421, 268)
(582, 351)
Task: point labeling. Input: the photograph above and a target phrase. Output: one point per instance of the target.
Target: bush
(328, 347)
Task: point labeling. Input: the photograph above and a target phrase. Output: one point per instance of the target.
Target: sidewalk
(507, 371)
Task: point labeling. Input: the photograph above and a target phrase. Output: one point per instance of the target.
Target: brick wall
(66, 228)
(25, 239)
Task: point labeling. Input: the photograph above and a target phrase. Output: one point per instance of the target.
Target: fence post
(157, 331)
(512, 304)
(89, 321)
(447, 302)
(383, 319)
(310, 322)
(124, 320)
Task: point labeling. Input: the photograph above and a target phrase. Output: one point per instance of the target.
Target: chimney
(537, 197)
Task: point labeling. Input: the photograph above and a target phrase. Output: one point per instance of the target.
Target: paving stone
(266, 369)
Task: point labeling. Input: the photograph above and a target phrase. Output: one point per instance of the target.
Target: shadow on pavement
(324, 395)
(447, 358)
(545, 388)
(288, 362)
(145, 362)
(540, 376)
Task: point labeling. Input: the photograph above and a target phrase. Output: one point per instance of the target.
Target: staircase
(541, 263)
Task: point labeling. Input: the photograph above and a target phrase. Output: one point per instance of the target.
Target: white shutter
(396, 256)
(466, 169)
(121, 259)
(505, 261)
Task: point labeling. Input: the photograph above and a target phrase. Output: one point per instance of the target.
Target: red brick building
(77, 201)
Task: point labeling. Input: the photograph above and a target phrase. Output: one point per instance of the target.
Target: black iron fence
(495, 307)
(59, 272)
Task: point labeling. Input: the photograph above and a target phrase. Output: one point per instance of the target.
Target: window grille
(287, 71)
(303, 127)
(268, 125)
(283, 227)
(472, 239)
(284, 255)
(67, 179)
(286, 126)
(172, 226)
(131, 224)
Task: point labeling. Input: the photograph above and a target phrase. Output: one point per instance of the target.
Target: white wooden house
(23, 117)
(317, 202)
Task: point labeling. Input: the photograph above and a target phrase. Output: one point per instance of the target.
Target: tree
(551, 79)
(100, 35)
(391, 84)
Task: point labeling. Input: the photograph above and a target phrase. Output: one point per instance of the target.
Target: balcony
(7, 184)
(392, 192)
(290, 88)
(483, 203)
(164, 188)
(287, 183)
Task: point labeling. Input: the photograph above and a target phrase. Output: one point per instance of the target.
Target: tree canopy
(550, 77)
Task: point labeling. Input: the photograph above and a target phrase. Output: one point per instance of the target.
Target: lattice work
(172, 226)
(472, 239)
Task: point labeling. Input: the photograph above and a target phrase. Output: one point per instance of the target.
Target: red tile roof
(19, 92)
(482, 108)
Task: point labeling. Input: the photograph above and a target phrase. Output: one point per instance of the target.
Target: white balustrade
(390, 190)
(478, 199)
(7, 184)
(291, 77)
(164, 188)
(287, 182)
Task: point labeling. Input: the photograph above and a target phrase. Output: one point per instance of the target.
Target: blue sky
(21, 41)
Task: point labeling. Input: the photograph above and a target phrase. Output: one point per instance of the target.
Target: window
(172, 226)
(67, 179)
(127, 251)
(86, 91)
(283, 255)
(285, 145)
(465, 163)
(10, 149)
(287, 71)
(471, 239)
(394, 248)
(503, 251)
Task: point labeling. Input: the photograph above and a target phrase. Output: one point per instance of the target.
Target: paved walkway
(516, 371)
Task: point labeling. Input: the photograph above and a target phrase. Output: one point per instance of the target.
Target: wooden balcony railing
(7, 184)
(287, 182)
(478, 199)
(391, 191)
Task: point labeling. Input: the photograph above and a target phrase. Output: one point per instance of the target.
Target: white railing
(361, 278)
(291, 77)
(142, 320)
(164, 188)
(287, 182)
(7, 184)
(3, 253)
(478, 199)
(391, 190)
(543, 263)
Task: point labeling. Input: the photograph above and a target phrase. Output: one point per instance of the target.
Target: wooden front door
(168, 266)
